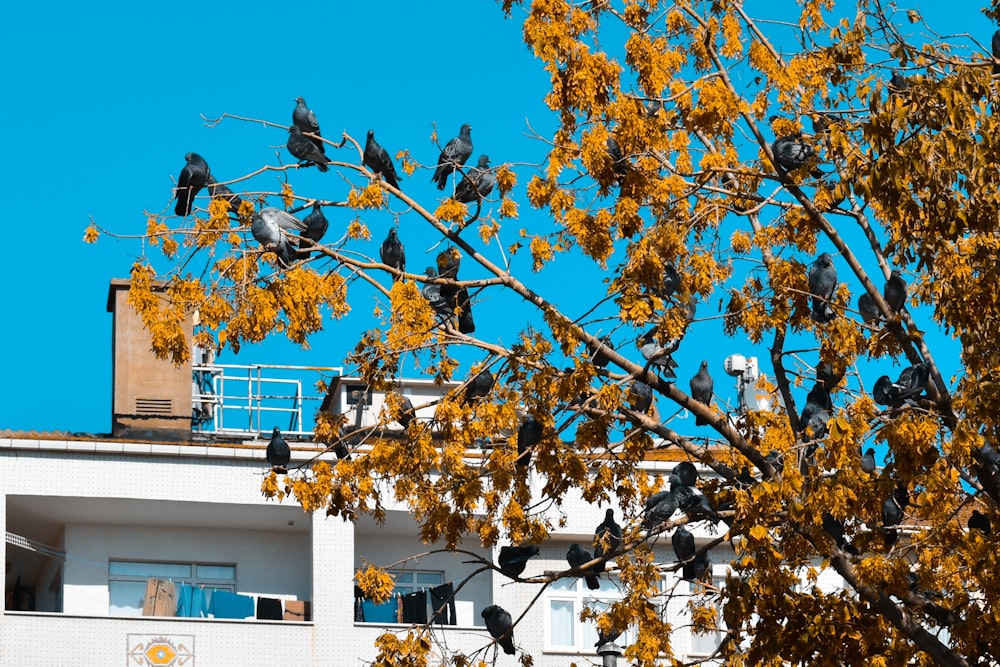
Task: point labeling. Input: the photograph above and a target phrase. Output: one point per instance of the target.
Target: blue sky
(105, 99)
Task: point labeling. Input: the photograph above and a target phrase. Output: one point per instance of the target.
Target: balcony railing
(251, 399)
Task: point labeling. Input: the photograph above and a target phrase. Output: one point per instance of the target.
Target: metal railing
(251, 399)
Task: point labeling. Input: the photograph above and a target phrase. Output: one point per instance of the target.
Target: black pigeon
(911, 383)
(702, 387)
(683, 542)
(822, 286)
(745, 479)
(268, 227)
(868, 461)
(278, 452)
(671, 282)
(899, 83)
(866, 306)
(377, 159)
(454, 154)
(501, 626)
(577, 557)
(892, 514)
(981, 522)
(659, 356)
(219, 191)
(777, 461)
(692, 501)
(448, 261)
(392, 252)
(995, 48)
(316, 225)
(528, 435)
(304, 150)
(304, 119)
(835, 528)
(598, 357)
(459, 301)
(432, 292)
(607, 538)
(696, 570)
(479, 386)
(791, 152)
(987, 469)
(618, 162)
(815, 413)
(194, 176)
(895, 291)
(407, 414)
(829, 376)
(659, 508)
(640, 396)
(512, 559)
(477, 183)
(686, 473)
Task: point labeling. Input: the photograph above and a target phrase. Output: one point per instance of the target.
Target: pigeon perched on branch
(822, 286)
(304, 119)
(479, 386)
(217, 190)
(501, 627)
(194, 176)
(607, 538)
(513, 559)
(268, 227)
(304, 150)
(791, 152)
(316, 225)
(477, 183)
(278, 452)
(702, 387)
(894, 292)
(392, 252)
(577, 557)
(866, 306)
(911, 384)
(454, 153)
(528, 435)
(377, 159)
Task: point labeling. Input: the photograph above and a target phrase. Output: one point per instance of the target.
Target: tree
(693, 141)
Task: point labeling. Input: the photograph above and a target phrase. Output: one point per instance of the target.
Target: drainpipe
(610, 652)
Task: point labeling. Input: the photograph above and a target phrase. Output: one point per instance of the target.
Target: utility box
(151, 397)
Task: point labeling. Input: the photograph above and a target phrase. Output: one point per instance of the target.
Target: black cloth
(359, 606)
(440, 597)
(415, 607)
(269, 608)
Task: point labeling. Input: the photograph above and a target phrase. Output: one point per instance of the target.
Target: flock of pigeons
(291, 239)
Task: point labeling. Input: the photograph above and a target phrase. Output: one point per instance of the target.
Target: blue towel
(380, 613)
(230, 605)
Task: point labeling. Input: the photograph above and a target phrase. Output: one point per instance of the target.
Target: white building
(89, 520)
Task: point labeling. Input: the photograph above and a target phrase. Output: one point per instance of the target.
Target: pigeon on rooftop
(823, 286)
(501, 627)
(304, 119)
(377, 159)
(194, 176)
(454, 154)
(477, 183)
(304, 150)
(278, 452)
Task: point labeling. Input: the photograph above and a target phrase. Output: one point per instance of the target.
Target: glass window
(565, 600)
(127, 581)
(405, 582)
(705, 643)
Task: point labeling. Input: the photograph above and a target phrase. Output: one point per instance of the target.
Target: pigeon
(815, 413)
(304, 150)
(987, 469)
(868, 461)
(995, 48)
(701, 390)
(686, 473)
(898, 83)
(692, 501)
(194, 176)
(278, 453)
(477, 183)
(407, 413)
(640, 396)
(392, 252)
(501, 627)
(432, 292)
(218, 191)
(659, 356)
(892, 514)
(607, 538)
(659, 508)
(981, 522)
(866, 306)
(448, 261)
(745, 479)
(577, 557)
(377, 159)
(268, 228)
(822, 286)
(683, 542)
(479, 386)
(598, 357)
(911, 383)
(791, 152)
(454, 154)
(618, 162)
(835, 529)
(829, 376)
(528, 435)
(671, 282)
(316, 225)
(458, 301)
(512, 559)
(895, 291)
(304, 119)
(697, 569)
(777, 461)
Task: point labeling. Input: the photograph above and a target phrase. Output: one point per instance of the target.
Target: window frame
(192, 579)
(584, 632)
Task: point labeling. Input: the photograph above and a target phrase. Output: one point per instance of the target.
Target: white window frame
(584, 632)
(192, 578)
(409, 580)
(696, 588)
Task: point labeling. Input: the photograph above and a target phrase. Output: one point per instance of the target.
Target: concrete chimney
(151, 397)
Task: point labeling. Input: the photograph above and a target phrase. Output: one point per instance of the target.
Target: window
(127, 581)
(565, 600)
(405, 582)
